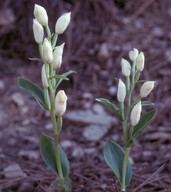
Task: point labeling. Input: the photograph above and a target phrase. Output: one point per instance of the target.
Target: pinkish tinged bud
(146, 88)
(60, 103)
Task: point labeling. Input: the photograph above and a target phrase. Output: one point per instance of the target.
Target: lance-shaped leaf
(63, 77)
(48, 155)
(34, 90)
(144, 121)
(58, 77)
(114, 156)
(110, 106)
(146, 103)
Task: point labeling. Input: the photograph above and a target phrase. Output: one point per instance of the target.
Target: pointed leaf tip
(34, 90)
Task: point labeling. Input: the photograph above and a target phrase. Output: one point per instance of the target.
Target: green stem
(124, 132)
(41, 51)
(123, 122)
(55, 37)
(46, 97)
(131, 130)
(124, 168)
(48, 32)
(130, 93)
(59, 123)
(127, 84)
(136, 101)
(56, 133)
(137, 76)
(122, 110)
(57, 156)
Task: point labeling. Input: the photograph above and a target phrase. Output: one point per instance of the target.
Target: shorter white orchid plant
(130, 114)
(55, 103)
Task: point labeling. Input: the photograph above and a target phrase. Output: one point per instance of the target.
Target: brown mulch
(100, 34)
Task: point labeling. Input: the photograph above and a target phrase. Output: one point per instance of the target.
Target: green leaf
(64, 75)
(58, 77)
(34, 90)
(146, 103)
(67, 184)
(114, 156)
(144, 121)
(48, 155)
(56, 183)
(110, 106)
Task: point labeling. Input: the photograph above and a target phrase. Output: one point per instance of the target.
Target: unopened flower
(136, 113)
(133, 54)
(146, 88)
(41, 15)
(38, 31)
(62, 23)
(57, 56)
(140, 62)
(47, 51)
(60, 103)
(126, 67)
(121, 91)
(44, 77)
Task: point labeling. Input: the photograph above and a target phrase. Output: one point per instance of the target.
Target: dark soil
(100, 34)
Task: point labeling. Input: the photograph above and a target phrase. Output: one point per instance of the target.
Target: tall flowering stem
(129, 113)
(48, 98)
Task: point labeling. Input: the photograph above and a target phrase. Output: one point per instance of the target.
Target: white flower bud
(136, 113)
(44, 77)
(126, 67)
(146, 88)
(60, 103)
(40, 14)
(140, 62)
(57, 56)
(62, 23)
(47, 51)
(133, 54)
(38, 31)
(121, 91)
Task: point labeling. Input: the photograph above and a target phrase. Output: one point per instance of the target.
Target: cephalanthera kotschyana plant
(51, 57)
(129, 113)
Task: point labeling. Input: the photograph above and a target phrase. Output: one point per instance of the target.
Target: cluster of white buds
(40, 21)
(138, 60)
(50, 53)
